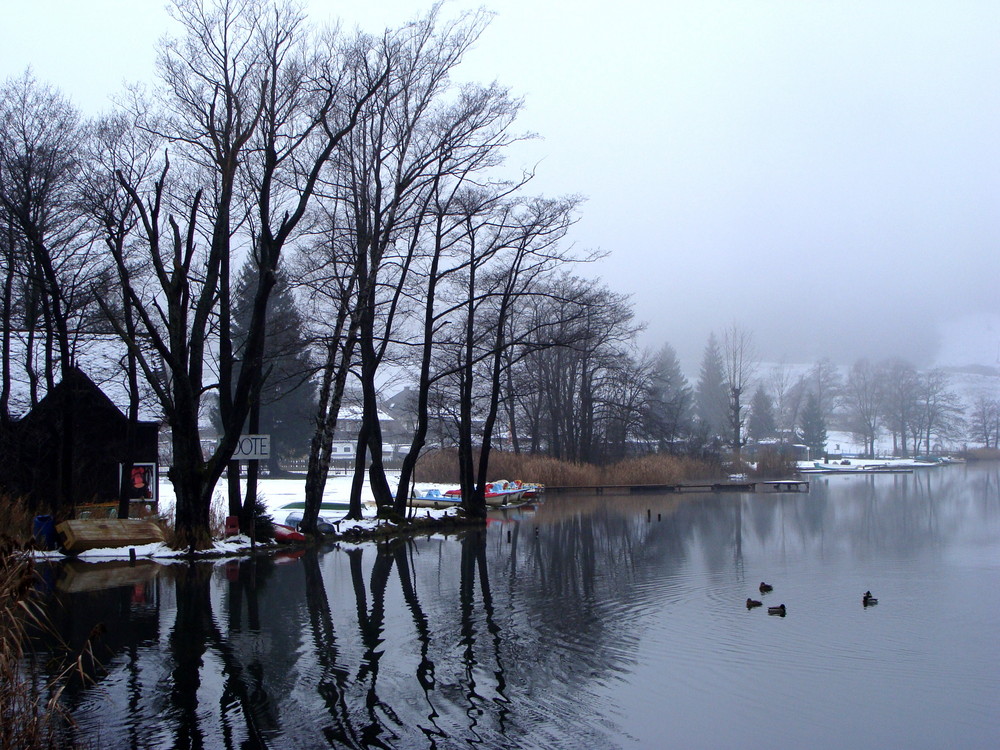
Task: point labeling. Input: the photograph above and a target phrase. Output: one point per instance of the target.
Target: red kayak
(286, 534)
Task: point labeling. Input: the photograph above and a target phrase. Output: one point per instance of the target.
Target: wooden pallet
(98, 533)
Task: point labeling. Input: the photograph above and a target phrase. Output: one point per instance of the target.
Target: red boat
(286, 534)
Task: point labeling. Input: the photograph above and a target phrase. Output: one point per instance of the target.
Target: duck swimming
(868, 600)
(751, 603)
(779, 610)
(765, 587)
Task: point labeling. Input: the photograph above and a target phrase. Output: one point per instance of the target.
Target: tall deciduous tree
(584, 335)
(46, 244)
(863, 395)
(739, 368)
(788, 392)
(825, 381)
(984, 421)
(115, 146)
(40, 153)
(384, 178)
(511, 246)
(254, 112)
(899, 404)
(939, 412)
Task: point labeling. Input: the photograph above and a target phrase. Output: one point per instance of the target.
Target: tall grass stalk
(30, 713)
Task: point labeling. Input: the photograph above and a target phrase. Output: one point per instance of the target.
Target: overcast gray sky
(825, 174)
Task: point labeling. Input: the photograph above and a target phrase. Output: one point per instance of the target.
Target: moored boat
(839, 468)
(286, 534)
(329, 512)
(433, 498)
(497, 494)
(532, 490)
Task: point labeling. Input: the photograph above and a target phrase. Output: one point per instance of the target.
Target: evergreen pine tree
(812, 431)
(670, 400)
(711, 396)
(761, 423)
(288, 395)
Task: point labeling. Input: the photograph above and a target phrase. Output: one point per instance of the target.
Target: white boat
(877, 468)
(840, 468)
(433, 498)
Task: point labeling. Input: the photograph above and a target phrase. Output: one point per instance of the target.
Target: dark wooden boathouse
(77, 429)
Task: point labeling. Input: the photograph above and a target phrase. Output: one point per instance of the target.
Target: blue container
(44, 531)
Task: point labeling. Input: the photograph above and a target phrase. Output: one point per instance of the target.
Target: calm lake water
(597, 622)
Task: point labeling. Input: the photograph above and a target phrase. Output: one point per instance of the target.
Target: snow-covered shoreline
(276, 493)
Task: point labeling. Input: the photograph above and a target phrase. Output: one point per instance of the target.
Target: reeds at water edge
(31, 713)
(442, 466)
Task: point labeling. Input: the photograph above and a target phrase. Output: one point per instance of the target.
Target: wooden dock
(772, 486)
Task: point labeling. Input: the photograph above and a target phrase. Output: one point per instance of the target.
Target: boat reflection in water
(592, 621)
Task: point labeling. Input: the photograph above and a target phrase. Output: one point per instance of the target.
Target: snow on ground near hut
(276, 494)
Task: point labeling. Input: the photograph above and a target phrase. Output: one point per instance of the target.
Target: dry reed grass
(31, 715)
(16, 519)
(773, 465)
(442, 467)
(982, 454)
(658, 469)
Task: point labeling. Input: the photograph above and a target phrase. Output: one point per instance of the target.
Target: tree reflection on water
(513, 636)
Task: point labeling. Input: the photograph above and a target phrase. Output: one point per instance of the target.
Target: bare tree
(247, 109)
(329, 274)
(115, 146)
(984, 421)
(509, 254)
(40, 139)
(584, 334)
(416, 136)
(787, 399)
(46, 243)
(863, 395)
(825, 381)
(740, 367)
(626, 395)
(900, 401)
(938, 412)
(448, 231)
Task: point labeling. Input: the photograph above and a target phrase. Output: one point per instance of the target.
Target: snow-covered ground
(276, 493)
(279, 492)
